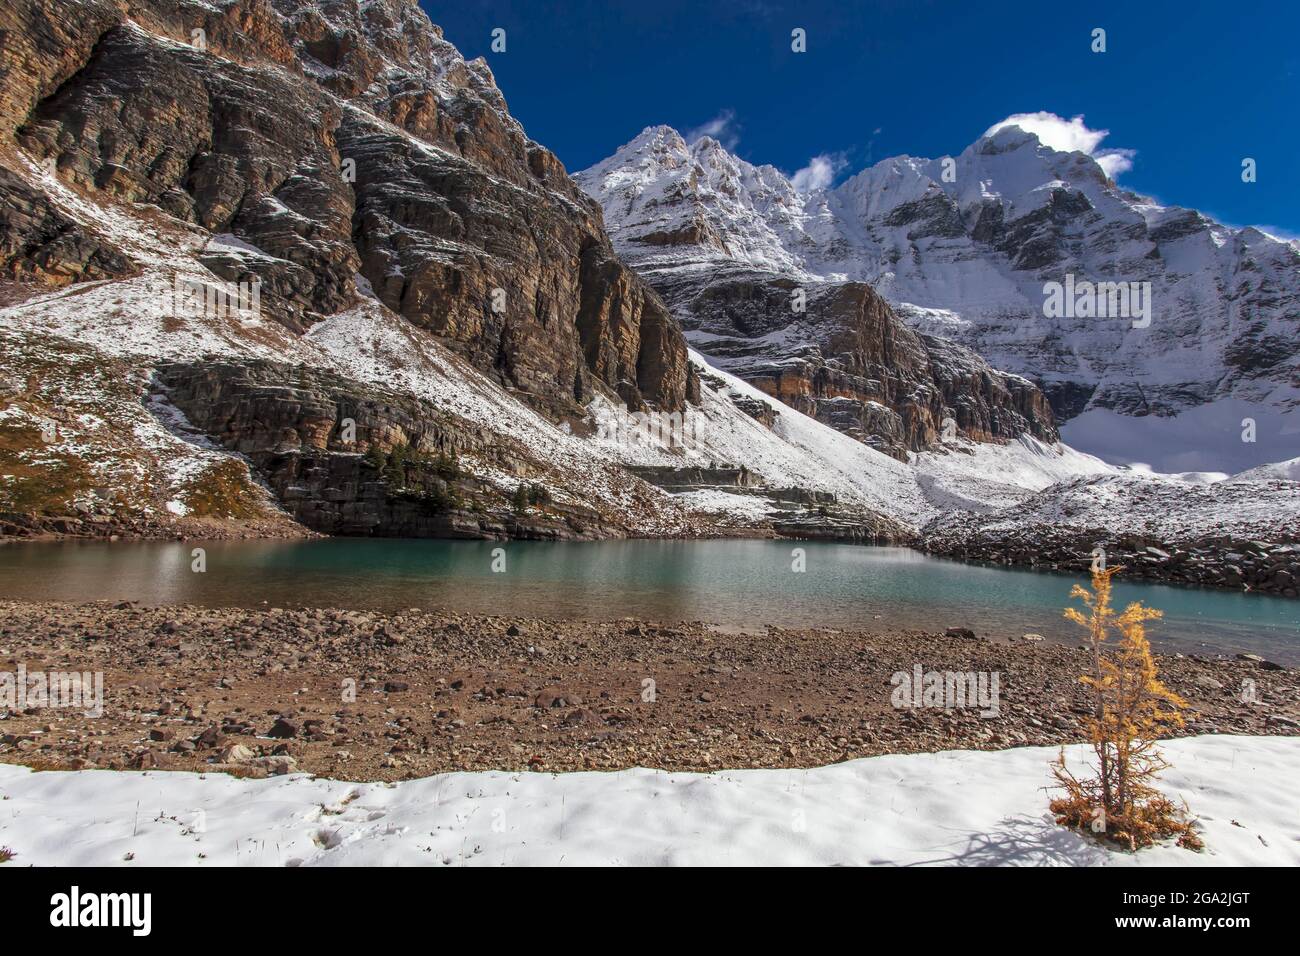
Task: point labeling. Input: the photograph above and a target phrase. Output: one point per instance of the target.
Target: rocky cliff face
(710, 233)
(40, 244)
(343, 142)
(843, 358)
(342, 160)
(345, 459)
(963, 252)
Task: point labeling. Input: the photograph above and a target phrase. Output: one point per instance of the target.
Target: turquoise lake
(737, 584)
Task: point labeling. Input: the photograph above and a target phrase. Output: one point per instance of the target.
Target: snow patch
(970, 808)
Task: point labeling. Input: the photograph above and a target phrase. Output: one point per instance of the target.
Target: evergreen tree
(397, 462)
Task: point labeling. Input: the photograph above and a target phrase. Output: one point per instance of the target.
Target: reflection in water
(736, 583)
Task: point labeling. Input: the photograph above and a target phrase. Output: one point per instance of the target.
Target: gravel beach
(368, 696)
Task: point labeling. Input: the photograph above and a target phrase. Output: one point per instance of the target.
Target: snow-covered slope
(1157, 507)
(661, 196)
(134, 323)
(956, 808)
(962, 248)
(799, 451)
(1289, 470)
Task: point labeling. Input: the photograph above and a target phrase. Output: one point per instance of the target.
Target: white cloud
(722, 127)
(819, 173)
(1070, 136)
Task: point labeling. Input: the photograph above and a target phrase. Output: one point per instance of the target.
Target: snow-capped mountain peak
(661, 193)
(964, 246)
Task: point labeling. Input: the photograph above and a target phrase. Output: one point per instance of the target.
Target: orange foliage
(1131, 707)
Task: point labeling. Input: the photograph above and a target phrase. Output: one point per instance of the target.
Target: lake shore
(362, 695)
(1217, 563)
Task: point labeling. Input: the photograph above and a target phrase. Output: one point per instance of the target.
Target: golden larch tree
(1130, 708)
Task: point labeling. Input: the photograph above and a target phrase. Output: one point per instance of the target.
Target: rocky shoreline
(1219, 562)
(29, 527)
(363, 695)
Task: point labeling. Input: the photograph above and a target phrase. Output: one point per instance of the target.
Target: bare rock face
(233, 149)
(628, 337)
(329, 447)
(987, 403)
(836, 351)
(41, 45)
(506, 278)
(338, 139)
(290, 424)
(40, 244)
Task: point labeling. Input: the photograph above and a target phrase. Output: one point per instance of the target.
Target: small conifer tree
(1130, 707)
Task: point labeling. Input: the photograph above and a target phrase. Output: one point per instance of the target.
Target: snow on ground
(1157, 506)
(1288, 470)
(716, 501)
(801, 451)
(985, 476)
(950, 808)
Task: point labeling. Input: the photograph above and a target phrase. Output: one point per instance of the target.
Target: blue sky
(1191, 87)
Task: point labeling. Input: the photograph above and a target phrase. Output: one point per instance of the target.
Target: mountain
(961, 248)
(272, 267)
(346, 163)
(342, 140)
(718, 239)
(291, 267)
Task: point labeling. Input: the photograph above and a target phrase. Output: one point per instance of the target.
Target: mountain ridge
(164, 157)
(966, 255)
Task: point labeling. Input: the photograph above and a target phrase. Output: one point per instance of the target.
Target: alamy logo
(664, 429)
(83, 691)
(75, 909)
(196, 299)
(1101, 300)
(947, 689)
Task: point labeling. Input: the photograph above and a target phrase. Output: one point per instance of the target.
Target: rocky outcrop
(1218, 561)
(691, 478)
(339, 139)
(1239, 535)
(39, 244)
(346, 459)
(836, 351)
(987, 404)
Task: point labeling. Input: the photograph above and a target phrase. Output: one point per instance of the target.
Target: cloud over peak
(722, 127)
(1069, 136)
(819, 173)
